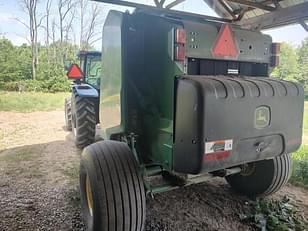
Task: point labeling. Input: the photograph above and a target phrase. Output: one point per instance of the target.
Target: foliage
(15, 62)
(288, 66)
(51, 85)
(275, 215)
(303, 64)
(15, 66)
(300, 167)
(305, 125)
(30, 101)
(293, 64)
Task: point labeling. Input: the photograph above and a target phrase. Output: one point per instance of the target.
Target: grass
(31, 101)
(300, 158)
(300, 167)
(305, 130)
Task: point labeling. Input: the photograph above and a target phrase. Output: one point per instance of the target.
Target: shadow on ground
(39, 191)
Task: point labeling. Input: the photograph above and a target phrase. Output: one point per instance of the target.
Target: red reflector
(217, 155)
(179, 53)
(180, 36)
(75, 72)
(225, 45)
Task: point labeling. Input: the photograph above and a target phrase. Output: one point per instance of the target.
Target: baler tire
(117, 189)
(83, 121)
(68, 113)
(267, 177)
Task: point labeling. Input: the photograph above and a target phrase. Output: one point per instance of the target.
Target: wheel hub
(89, 195)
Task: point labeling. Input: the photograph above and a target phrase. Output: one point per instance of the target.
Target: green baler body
(139, 77)
(140, 73)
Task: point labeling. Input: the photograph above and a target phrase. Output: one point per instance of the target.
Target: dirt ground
(39, 167)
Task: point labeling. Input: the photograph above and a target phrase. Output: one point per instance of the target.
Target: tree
(92, 34)
(47, 27)
(303, 63)
(30, 7)
(64, 7)
(89, 33)
(14, 67)
(288, 66)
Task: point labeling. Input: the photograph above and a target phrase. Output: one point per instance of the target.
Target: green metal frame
(140, 71)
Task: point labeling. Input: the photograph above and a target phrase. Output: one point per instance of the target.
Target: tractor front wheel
(68, 113)
(263, 177)
(111, 188)
(83, 121)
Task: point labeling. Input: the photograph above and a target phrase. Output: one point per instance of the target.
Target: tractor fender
(85, 90)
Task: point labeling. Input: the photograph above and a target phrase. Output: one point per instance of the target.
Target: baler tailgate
(230, 121)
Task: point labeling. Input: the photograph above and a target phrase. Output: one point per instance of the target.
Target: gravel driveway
(39, 167)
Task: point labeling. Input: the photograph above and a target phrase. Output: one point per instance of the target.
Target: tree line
(293, 64)
(39, 64)
(56, 30)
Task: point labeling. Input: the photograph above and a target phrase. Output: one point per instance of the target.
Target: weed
(300, 167)
(275, 215)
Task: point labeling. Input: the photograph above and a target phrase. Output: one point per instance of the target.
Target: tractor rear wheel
(83, 121)
(68, 113)
(111, 188)
(263, 177)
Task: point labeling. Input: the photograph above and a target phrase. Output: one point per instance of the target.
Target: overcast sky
(16, 32)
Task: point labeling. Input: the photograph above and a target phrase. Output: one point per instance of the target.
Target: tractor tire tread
(85, 121)
(68, 113)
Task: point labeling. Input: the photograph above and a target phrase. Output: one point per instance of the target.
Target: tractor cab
(90, 65)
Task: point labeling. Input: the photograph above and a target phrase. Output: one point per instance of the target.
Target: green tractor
(183, 97)
(81, 109)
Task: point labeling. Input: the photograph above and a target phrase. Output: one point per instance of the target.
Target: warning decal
(218, 146)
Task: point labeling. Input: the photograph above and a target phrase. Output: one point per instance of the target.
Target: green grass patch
(300, 167)
(31, 101)
(305, 130)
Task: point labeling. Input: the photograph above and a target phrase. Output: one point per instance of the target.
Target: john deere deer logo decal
(262, 117)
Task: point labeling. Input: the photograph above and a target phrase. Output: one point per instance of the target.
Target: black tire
(83, 121)
(262, 178)
(117, 189)
(68, 113)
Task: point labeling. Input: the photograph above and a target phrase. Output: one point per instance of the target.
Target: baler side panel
(149, 81)
(111, 79)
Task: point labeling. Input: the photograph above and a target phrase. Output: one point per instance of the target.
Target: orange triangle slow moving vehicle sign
(225, 45)
(75, 72)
